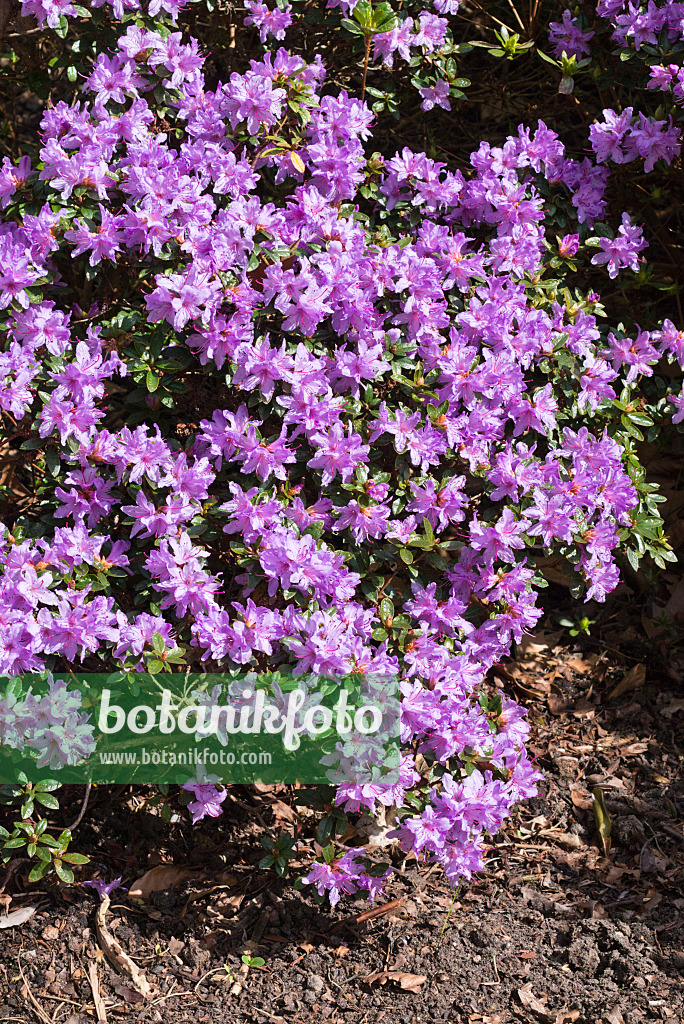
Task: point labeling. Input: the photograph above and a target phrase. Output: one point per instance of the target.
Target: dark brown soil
(554, 931)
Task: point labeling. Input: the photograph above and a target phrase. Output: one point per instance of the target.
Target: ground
(565, 925)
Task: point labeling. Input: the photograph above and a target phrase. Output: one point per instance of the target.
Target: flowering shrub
(279, 398)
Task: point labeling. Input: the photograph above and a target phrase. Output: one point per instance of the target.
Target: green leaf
(47, 786)
(64, 838)
(325, 829)
(47, 800)
(351, 26)
(52, 461)
(386, 609)
(158, 643)
(76, 858)
(632, 558)
(65, 874)
(152, 381)
(39, 870)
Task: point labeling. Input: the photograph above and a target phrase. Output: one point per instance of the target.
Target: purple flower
(622, 251)
(101, 242)
(270, 21)
(568, 36)
(104, 888)
(436, 95)
(208, 798)
(568, 245)
(364, 521)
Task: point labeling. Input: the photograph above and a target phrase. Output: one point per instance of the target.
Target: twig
(20, 35)
(112, 949)
(270, 1016)
(39, 1011)
(367, 42)
(496, 973)
(11, 868)
(84, 807)
(214, 970)
(672, 831)
(97, 998)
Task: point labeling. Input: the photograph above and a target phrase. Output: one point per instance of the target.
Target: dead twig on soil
(112, 949)
(97, 997)
(38, 1009)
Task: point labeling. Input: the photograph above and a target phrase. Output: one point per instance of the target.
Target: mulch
(566, 924)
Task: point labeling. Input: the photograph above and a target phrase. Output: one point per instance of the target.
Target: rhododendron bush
(274, 394)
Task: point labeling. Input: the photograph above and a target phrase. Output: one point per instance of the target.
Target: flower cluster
(207, 797)
(405, 412)
(51, 725)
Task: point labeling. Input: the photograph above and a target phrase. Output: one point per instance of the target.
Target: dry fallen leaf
(583, 708)
(633, 680)
(579, 665)
(128, 995)
(530, 1002)
(581, 799)
(158, 879)
(650, 901)
(532, 689)
(283, 811)
(672, 708)
(568, 840)
(17, 917)
(674, 609)
(541, 1011)
(407, 982)
(634, 748)
(385, 908)
(556, 705)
